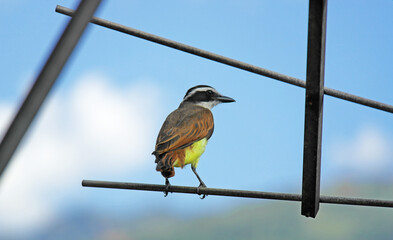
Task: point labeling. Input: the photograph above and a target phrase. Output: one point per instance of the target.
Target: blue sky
(101, 119)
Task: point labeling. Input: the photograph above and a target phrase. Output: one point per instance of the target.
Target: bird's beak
(225, 99)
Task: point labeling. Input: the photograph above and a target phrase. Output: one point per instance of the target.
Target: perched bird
(186, 131)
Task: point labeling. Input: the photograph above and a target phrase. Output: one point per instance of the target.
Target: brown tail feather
(166, 161)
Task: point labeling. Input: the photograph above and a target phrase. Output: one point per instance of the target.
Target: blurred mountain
(268, 220)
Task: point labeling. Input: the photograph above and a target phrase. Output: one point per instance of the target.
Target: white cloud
(368, 151)
(96, 129)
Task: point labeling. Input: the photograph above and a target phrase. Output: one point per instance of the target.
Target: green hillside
(276, 221)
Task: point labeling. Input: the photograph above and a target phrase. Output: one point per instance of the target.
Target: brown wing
(183, 127)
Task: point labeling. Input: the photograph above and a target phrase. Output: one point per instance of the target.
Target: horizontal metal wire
(228, 61)
(235, 193)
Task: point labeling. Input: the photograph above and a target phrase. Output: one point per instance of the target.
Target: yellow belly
(193, 153)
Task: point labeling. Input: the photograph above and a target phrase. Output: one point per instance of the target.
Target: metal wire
(45, 80)
(228, 61)
(235, 193)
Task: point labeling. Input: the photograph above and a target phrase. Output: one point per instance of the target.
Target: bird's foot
(202, 185)
(166, 191)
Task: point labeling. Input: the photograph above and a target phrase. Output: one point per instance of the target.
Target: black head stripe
(199, 96)
(193, 88)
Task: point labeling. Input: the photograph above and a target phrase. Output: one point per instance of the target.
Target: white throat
(208, 105)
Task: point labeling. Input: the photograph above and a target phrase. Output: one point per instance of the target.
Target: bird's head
(205, 96)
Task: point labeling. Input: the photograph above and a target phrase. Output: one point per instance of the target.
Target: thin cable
(228, 61)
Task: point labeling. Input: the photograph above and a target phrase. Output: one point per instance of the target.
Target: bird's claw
(166, 191)
(198, 190)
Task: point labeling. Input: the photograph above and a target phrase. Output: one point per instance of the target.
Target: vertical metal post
(314, 107)
(45, 80)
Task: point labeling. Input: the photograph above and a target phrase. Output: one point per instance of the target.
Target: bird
(185, 132)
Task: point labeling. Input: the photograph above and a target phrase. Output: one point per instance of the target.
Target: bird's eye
(210, 92)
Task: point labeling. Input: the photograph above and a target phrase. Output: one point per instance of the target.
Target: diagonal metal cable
(228, 61)
(45, 80)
